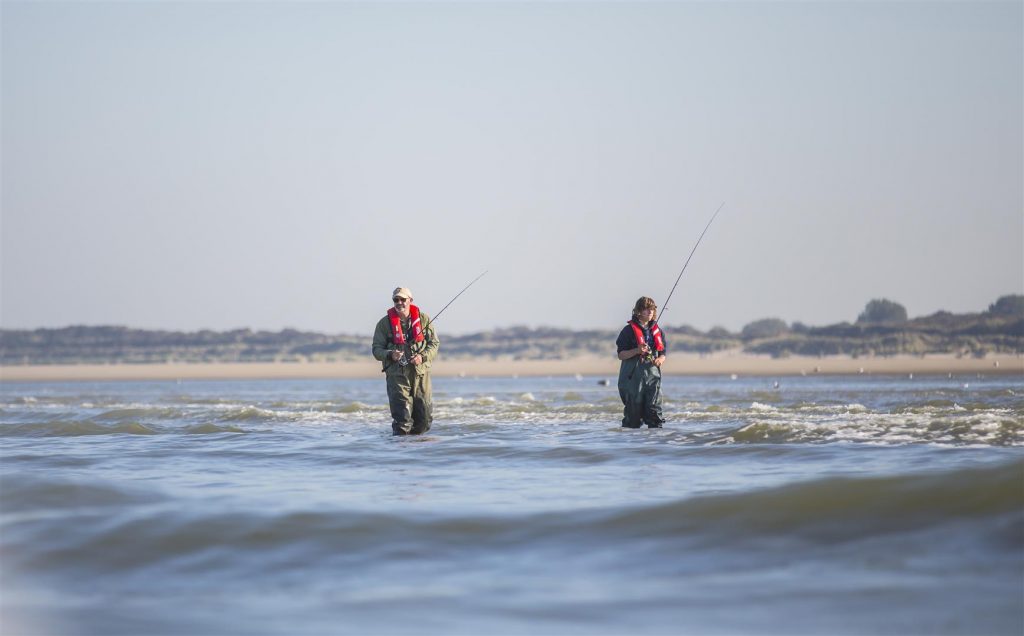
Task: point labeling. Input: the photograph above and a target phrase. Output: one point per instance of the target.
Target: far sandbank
(677, 364)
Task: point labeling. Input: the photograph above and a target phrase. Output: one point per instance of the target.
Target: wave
(995, 428)
(940, 406)
(351, 407)
(986, 504)
(75, 428)
(932, 418)
(211, 429)
(138, 413)
(78, 428)
(249, 414)
(837, 509)
(700, 427)
(26, 493)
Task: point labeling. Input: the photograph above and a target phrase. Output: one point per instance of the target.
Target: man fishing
(405, 342)
(642, 351)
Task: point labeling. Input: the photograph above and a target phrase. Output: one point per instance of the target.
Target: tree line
(882, 329)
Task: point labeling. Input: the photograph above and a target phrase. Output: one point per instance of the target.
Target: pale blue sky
(269, 165)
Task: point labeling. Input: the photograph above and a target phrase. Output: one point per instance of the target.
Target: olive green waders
(409, 398)
(640, 390)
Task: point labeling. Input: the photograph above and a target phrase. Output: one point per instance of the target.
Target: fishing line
(664, 308)
(438, 315)
(403, 360)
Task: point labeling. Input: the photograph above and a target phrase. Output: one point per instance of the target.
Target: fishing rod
(403, 360)
(664, 307)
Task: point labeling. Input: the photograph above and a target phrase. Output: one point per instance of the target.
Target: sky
(200, 165)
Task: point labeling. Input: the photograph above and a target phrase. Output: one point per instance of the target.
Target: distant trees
(882, 310)
(764, 328)
(799, 327)
(882, 329)
(719, 333)
(1008, 305)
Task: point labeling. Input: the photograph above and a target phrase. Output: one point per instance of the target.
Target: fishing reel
(406, 358)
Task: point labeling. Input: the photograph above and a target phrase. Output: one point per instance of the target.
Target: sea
(792, 505)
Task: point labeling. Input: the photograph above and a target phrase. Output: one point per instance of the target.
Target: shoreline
(679, 364)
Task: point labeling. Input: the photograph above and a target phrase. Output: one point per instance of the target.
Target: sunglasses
(400, 300)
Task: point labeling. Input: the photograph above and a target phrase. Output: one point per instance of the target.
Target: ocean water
(822, 505)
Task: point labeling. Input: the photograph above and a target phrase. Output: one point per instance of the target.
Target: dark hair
(643, 303)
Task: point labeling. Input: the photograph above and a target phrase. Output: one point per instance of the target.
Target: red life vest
(659, 342)
(396, 325)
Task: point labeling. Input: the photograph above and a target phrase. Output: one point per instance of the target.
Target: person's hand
(416, 360)
(659, 361)
(396, 355)
(643, 349)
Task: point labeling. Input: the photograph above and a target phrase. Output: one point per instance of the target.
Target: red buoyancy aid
(659, 342)
(397, 336)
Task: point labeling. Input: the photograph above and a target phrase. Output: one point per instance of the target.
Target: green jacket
(383, 345)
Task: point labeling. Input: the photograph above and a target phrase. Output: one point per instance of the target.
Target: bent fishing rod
(664, 307)
(404, 360)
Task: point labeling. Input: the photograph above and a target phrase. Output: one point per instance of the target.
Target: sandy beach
(679, 364)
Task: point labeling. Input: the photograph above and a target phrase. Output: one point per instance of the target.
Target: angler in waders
(641, 346)
(406, 344)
